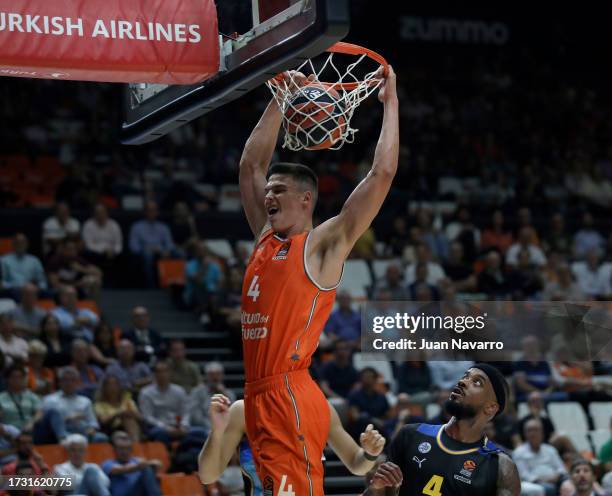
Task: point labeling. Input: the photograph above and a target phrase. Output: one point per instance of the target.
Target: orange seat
(6, 245)
(100, 452)
(47, 305)
(109, 201)
(52, 454)
(117, 332)
(138, 450)
(40, 200)
(479, 266)
(180, 485)
(89, 305)
(156, 450)
(171, 273)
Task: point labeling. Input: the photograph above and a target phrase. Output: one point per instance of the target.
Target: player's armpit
(508, 480)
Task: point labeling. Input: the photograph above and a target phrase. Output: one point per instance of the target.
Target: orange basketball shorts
(287, 423)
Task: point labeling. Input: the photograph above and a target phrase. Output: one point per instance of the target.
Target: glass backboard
(280, 35)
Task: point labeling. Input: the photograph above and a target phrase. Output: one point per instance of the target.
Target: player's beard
(459, 411)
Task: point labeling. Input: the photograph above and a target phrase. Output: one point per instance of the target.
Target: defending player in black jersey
(456, 458)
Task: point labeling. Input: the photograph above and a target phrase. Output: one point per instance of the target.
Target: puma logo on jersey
(282, 252)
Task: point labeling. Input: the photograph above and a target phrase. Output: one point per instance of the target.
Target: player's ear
(491, 409)
(307, 198)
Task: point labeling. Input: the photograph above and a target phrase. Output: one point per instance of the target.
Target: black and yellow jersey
(434, 464)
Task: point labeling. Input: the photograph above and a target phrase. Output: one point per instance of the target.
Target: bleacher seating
(356, 279)
(601, 413)
(221, 248)
(181, 485)
(171, 273)
(568, 417)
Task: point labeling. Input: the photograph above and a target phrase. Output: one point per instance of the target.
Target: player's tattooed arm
(508, 480)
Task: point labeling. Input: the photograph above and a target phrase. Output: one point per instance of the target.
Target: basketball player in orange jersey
(289, 291)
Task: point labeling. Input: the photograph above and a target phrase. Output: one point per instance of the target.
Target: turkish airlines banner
(152, 41)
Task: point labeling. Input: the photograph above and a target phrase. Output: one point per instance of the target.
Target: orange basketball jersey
(283, 309)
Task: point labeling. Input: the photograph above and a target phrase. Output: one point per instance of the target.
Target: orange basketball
(316, 114)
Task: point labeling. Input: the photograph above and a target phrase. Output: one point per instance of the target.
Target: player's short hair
(302, 175)
(65, 371)
(74, 439)
(214, 367)
(578, 462)
(368, 370)
(119, 436)
(16, 367)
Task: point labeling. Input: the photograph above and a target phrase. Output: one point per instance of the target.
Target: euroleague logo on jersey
(283, 251)
(468, 468)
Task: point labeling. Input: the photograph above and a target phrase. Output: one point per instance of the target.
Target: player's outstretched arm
(256, 157)
(227, 431)
(254, 164)
(352, 455)
(508, 480)
(336, 237)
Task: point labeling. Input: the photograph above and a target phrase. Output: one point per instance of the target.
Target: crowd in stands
(87, 383)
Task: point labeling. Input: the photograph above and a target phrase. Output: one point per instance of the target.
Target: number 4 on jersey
(281, 490)
(434, 486)
(253, 291)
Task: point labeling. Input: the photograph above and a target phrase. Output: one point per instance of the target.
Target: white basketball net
(334, 126)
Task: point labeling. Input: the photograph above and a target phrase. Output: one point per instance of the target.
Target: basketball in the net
(316, 113)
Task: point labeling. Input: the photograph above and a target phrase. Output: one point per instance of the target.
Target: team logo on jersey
(416, 459)
(268, 486)
(468, 468)
(282, 251)
(424, 447)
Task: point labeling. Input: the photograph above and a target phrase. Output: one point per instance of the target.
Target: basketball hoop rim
(350, 49)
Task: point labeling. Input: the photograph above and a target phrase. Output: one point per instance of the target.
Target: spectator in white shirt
(587, 238)
(526, 242)
(164, 408)
(74, 322)
(103, 243)
(66, 412)
(87, 478)
(59, 227)
(435, 272)
(592, 276)
(538, 463)
(27, 317)
(102, 235)
(12, 347)
(20, 268)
